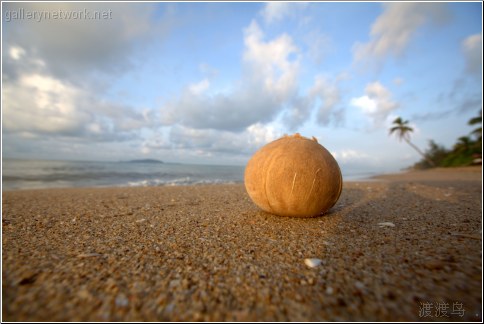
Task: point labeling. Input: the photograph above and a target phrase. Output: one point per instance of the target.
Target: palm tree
(403, 131)
(476, 121)
(476, 146)
(464, 144)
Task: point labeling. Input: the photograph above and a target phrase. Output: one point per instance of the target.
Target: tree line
(466, 151)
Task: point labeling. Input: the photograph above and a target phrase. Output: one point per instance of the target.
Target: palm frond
(476, 120)
(401, 128)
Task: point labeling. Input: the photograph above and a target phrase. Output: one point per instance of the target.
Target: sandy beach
(405, 247)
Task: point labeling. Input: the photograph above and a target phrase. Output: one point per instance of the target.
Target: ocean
(41, 174)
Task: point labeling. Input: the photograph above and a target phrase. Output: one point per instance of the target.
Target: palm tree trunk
(420, 152)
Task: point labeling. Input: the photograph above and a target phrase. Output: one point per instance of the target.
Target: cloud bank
(72, 48)
(392, 32)
(56, 72)
(269, 80)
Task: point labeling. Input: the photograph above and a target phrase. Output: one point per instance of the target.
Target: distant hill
(146, 161)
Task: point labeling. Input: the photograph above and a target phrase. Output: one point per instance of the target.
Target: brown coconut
(293, 176)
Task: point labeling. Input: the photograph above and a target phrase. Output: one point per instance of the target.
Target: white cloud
(394, 29)
(472, 48)
(277, 11)
(72, 48)
(268, 82)
(297, 111)
(353, 160)
(260, 134)
(16, 52)
(382, 96)
(329, 97)
(365, 103)
(200, 87)
(210, 141)
(324, 97)
(377, 103)
(270, 61)
(319, 45)
(40, 103)
(268, 87)
(52, 72)
(349, 155)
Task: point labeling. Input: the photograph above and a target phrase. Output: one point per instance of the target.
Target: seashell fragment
(313, 262)
(389, 224)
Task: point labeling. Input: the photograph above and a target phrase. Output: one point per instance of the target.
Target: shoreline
(435, 174)
(232, 183)
(463, 173)
(207, 253)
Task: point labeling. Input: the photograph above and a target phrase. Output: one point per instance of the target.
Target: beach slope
(403, 248)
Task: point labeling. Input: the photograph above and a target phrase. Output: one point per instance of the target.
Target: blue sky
(213, 82)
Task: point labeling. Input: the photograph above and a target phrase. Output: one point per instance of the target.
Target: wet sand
(405, 247)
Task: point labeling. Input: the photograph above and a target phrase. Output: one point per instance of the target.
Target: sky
(211, 83)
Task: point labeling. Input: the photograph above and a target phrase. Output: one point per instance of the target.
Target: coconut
(293, 176)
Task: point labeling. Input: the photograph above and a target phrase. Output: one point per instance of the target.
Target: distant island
(145, 161)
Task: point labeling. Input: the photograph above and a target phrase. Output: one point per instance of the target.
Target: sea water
(40, 174)
(37, 174)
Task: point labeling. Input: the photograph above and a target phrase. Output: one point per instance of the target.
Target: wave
(29, 174)
(185, 181)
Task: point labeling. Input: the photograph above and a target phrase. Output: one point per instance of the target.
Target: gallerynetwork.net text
(40, 15)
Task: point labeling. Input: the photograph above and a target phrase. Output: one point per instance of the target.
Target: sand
(208, 253)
